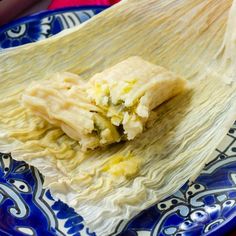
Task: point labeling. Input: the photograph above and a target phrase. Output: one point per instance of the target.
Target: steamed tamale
(112, 106)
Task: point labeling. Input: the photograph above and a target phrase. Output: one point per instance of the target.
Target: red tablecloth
(66, 3)
(12, 9)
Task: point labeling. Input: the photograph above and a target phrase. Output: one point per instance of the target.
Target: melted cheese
(123, 165)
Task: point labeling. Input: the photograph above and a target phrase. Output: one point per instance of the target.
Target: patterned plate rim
(227, 227)
(46, 13)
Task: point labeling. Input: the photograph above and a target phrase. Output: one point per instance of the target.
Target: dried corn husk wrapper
(192, 38)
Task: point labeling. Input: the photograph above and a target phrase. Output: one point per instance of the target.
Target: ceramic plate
(204, 207)
(43, 25)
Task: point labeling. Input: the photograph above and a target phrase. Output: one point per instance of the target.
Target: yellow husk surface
(193, 38)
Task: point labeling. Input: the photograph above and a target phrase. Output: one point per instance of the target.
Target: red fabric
(55, 4)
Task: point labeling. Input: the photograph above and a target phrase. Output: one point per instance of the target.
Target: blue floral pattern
(17, 35)
(205, 207)
(43, 25)
(24, 203)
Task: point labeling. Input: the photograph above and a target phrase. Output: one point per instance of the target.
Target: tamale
(112, 106)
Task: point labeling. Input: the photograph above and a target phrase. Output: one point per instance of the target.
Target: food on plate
(113, 105)
(194, 39)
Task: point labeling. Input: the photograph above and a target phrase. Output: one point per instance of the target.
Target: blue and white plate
(206, 207)
(45, 24)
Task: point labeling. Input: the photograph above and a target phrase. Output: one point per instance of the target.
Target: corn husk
(192, 38)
